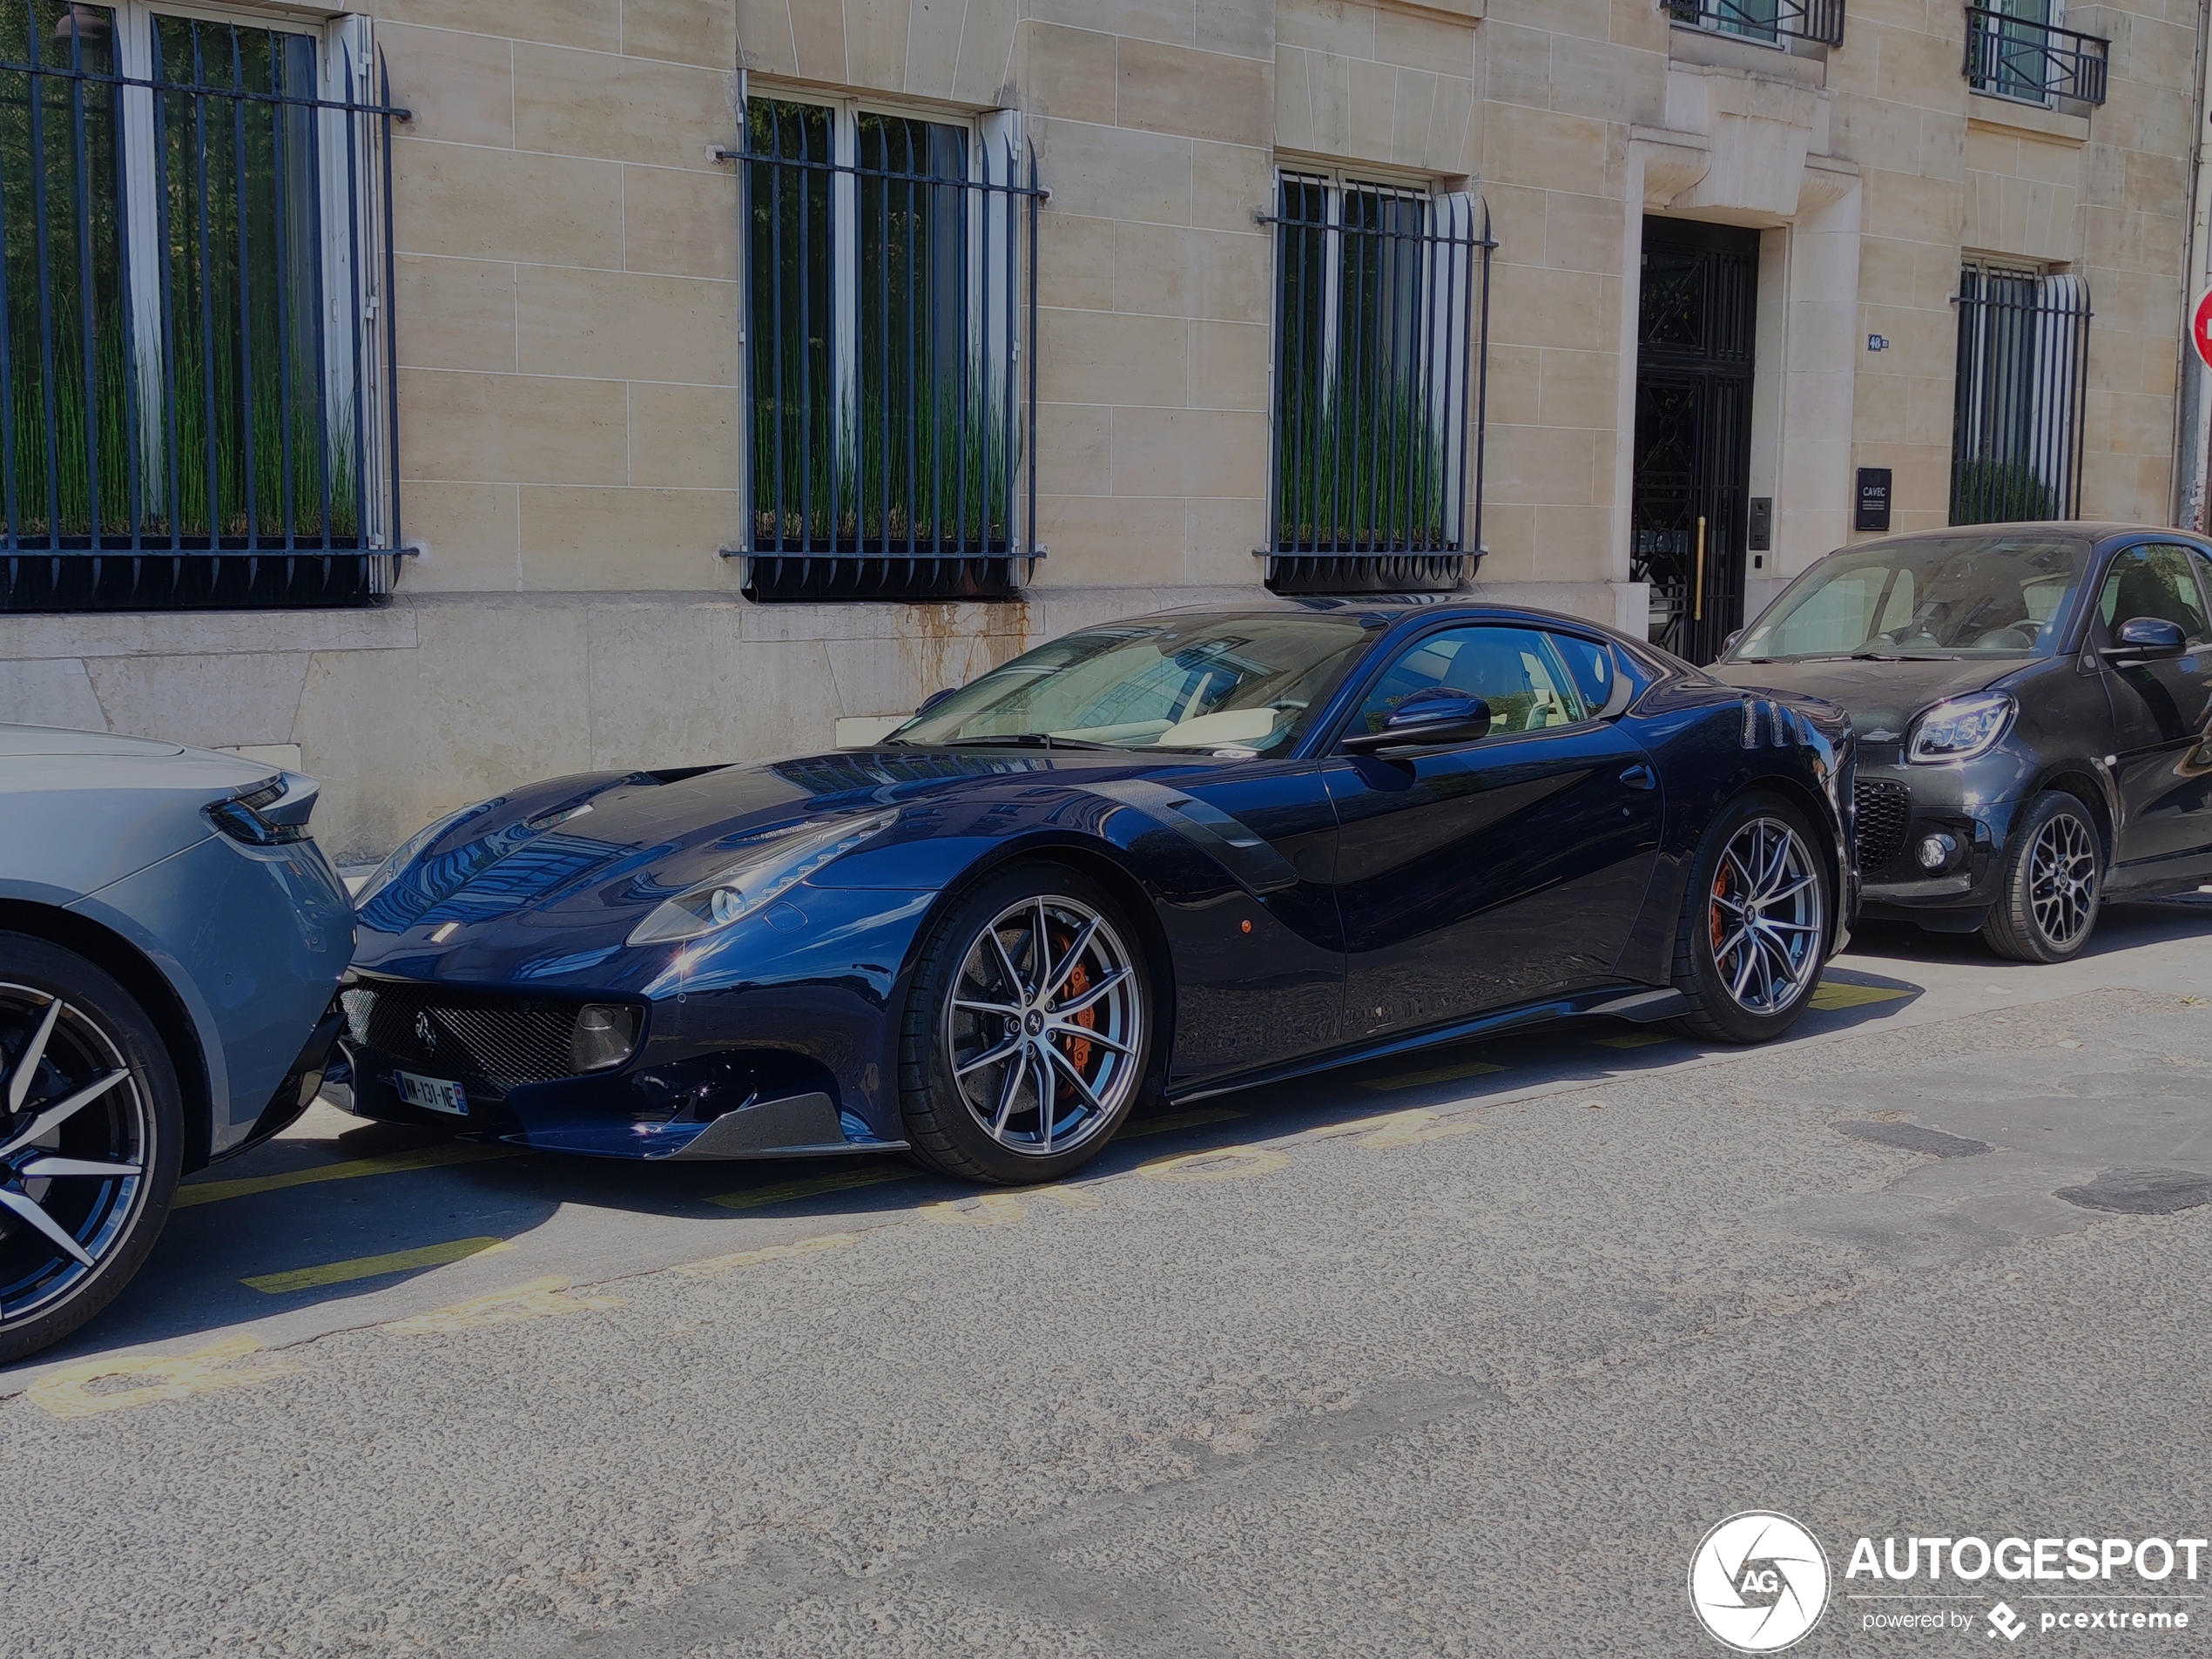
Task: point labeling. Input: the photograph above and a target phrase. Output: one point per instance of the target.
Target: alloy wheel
(1764, 916)
(75, 1133)
(1044, 1025)
(2062, 878)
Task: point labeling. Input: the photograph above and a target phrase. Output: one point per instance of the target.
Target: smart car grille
(1885, 811)
(424, 1028)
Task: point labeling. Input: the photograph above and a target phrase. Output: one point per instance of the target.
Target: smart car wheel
(2051, 885)
(89, 1142)
(1028, 1032)
(1754, 931)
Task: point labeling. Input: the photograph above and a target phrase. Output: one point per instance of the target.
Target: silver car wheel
(2062, 878)
(1765, 916)
(1044, 1026)
(75, 1128)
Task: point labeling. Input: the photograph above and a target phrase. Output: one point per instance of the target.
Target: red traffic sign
(2201, 326)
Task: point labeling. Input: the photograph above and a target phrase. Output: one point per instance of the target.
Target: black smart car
(2031, 702)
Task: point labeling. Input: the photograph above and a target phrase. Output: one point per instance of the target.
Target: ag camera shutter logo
(1758, 1582)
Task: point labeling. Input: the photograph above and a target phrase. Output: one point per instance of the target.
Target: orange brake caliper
(1079, 1047)
(1713, 911)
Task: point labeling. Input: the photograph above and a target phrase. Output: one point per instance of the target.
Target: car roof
(1378, 611)
(2098, 531)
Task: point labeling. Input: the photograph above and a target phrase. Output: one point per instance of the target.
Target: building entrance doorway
(1693, 434)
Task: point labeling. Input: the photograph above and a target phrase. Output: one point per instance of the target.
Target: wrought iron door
(1693, 436)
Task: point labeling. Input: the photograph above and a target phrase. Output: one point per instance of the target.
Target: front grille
(504, 1042)
(1884, 813)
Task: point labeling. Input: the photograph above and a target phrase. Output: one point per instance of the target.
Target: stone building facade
(578, 418)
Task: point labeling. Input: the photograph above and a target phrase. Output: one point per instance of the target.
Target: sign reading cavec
(1873, 499)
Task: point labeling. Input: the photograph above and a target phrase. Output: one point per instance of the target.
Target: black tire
(945, 1109)
(1718, 1010)
(2051, 884)
(92, 1029)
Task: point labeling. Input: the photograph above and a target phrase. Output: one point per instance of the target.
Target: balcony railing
(1771, 21)
(2017, 57)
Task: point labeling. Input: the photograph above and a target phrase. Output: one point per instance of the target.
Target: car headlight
(1959, 730)
(409, 850)
(770, 868)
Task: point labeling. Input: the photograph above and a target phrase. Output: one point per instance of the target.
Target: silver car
(171, 940)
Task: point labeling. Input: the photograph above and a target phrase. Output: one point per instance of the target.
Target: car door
(2160, 710)
(1499, 871)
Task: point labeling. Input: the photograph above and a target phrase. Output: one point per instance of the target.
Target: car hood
(1882, 698)
(597, 852)
(20, 742)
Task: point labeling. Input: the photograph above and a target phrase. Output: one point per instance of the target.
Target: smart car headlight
(770, 868)
(1962, 728)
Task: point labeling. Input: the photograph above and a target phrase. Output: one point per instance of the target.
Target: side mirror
(2145, 639)
(1435, 715)
(934, 699)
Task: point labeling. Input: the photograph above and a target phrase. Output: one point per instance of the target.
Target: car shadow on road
(338, 1211)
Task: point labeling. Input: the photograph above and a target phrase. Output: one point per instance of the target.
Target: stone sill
(2002, 114)
(1689, 45)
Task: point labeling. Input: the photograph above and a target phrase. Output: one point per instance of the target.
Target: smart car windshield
(1176, 682)
(1953, 596)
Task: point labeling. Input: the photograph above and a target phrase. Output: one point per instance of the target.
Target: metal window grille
(195, 368)
(1382, 318)
(2013, 51)
(1772, 21)
(2023, 363)
(892, 290)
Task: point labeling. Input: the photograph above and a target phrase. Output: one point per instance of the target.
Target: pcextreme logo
(1758, 1582)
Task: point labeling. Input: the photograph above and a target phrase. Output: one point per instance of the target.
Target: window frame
(998, 322)
(2051, 360)
(2199, 566)
(1622, 692)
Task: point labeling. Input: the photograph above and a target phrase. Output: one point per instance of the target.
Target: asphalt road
(1461, 1354)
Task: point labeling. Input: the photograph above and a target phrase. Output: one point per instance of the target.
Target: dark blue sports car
(1166, 858)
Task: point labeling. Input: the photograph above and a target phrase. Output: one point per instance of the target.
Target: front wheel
(91, 1141)
(1027, 1031)
(2051, 885)
(1754, 930)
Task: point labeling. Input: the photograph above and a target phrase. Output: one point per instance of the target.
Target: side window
(2155, 581)
(1521, 672)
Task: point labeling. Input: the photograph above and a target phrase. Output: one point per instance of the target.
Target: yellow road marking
(713, 1265)
(540, 1299)
(397, 1261)
(425, 1157)
(1441, 1074)
(1223, 1164)
(1636, 1039)
(1178, 1120)
(991, 1209)
(1398, 1128)
(1841, 993)
(67, 1393)
(1069, 1198)
(753, 1198)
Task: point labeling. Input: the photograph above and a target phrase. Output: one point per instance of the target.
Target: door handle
(1640, 777)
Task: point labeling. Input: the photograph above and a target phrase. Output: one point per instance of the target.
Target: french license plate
(434, 1094)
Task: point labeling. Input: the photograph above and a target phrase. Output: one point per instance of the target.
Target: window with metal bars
(891, 292)
(194, 369)
(2015, 49)
(2023, 365)
(1379, 288)
(1774, 22)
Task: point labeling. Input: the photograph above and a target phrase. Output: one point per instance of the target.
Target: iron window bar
(1380, 326)
(2022, 371)
(1773, 21)
(903, 477)
(163, 444)
(2017, 57)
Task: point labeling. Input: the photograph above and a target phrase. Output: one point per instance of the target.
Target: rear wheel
(1754, 930)
(1028, 1030)
(90, 1137)
(2051, 885)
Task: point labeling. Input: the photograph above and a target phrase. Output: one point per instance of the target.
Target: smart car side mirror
(934, 699)
(1438, 715)
(2145, 639)
(1728, 644)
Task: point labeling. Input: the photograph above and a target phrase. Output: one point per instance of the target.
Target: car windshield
(1953, 596)
(1188, 682)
